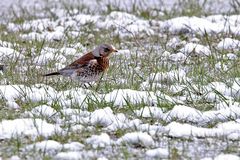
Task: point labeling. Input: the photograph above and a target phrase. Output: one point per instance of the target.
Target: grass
(126, 72)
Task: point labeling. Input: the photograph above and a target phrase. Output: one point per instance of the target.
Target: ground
(171, 92)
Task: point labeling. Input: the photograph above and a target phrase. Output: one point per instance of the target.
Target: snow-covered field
(172, 92)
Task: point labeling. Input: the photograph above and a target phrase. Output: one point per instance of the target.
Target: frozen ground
(172, 92)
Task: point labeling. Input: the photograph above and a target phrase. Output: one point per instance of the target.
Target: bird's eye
(106, 50)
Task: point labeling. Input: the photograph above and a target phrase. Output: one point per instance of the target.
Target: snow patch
(195, 49)
(73, 155)
(149, 112)
(9, 53)
(73, 146)
(157, 153)
(226, 157)
(43, 110)
(183, 113)
(97, 141)
(103, 117)
(229, 44)
(137, 138)
(171, 76)
(49, 146)
(177, 57)
(27, 127)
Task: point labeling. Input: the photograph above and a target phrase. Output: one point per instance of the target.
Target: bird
(90, 66)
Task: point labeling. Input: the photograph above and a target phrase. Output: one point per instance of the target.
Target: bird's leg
(85, 86)
(90, 84)
(98, 83)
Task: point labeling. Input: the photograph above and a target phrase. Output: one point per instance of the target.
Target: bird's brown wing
(78, 64)
(82, 61)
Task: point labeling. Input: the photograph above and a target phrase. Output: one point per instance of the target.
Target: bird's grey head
(103, 50)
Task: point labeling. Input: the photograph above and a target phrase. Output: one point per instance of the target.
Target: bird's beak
(114, 50)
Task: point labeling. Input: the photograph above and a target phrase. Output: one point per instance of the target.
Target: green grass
(125, 73)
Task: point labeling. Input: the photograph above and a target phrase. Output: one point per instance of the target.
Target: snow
(157, 153)
(231, 56)
(12, 104)
(15, 158)
(195, 49)
(137, 138)
(43, 110)
(230, 130)
(102, 158)
(171, 76)
(49, 146)
(200, 26)
(226, 105)
(124, 52)
(27, 127)
(126, 23)
(219, 87)
(149, 112)
(165, 54)
(222, 114)
(190, 24)
(9, 53)
(175, 42)
(73, 146)
(179, 130)
(177, 57)
(226, 157)
(120, 96)
(97, 141)
(52, 147)
(37, 92)
(138, 116)
(103, 117)
(68, 51)
(77, 128)
(44, 59)
(47, 55)
(229, 44)
(73, 155)
(183, 113)
(222, 67)
(49, 36)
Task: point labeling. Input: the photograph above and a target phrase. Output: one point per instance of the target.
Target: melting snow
(226, 157)
(158, 153)
(137, 138)
(9, 53)
(73, 146)
(27, 127)
(228, 129)
(194, 123)
(101, 140)
(195, 49)
(73, 155)
(176, 57)
(149, 112)
(49, 146)
(229, 43)
(43, 110)
(103, 117)
(171, 76)
(181, 112)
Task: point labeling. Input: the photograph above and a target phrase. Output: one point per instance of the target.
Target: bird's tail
(52, 74)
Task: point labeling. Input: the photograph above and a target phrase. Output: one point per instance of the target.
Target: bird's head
(104, 50)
